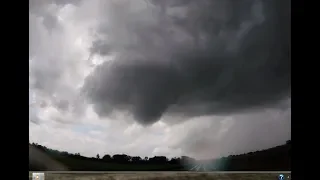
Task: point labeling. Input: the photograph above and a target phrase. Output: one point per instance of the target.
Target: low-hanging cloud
(169, 61)
(191, 58)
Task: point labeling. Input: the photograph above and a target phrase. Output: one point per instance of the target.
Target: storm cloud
(214, 74)
(191, 58)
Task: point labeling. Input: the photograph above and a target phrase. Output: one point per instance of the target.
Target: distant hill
(274, 159)
(43, 158)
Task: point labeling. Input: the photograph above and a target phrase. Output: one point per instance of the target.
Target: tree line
(276, 158)
(117, 158)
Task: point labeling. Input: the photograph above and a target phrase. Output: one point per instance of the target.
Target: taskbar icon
(37, 176)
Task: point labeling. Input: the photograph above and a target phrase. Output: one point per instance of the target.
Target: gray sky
(118, 77)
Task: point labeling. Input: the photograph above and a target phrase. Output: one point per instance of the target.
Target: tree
(136, 159)
(107, 157)
(98, 156)
(121, 158)
(158, 159)
(288, 142)
(174, 160)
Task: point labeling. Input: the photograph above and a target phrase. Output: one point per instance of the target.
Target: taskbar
(233, 175)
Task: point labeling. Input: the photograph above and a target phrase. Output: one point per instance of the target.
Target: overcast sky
(117, 77)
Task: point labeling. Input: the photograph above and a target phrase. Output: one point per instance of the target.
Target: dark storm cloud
(211, 57)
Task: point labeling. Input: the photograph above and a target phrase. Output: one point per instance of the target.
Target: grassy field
(163, 176)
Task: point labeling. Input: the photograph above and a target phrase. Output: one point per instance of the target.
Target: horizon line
(196, 159)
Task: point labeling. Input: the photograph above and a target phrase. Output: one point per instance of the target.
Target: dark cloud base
(198, 78)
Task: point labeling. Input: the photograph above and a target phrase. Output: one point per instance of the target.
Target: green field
(163, 176)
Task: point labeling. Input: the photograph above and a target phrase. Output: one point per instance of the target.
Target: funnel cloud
(182, 58)
(201, 78)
